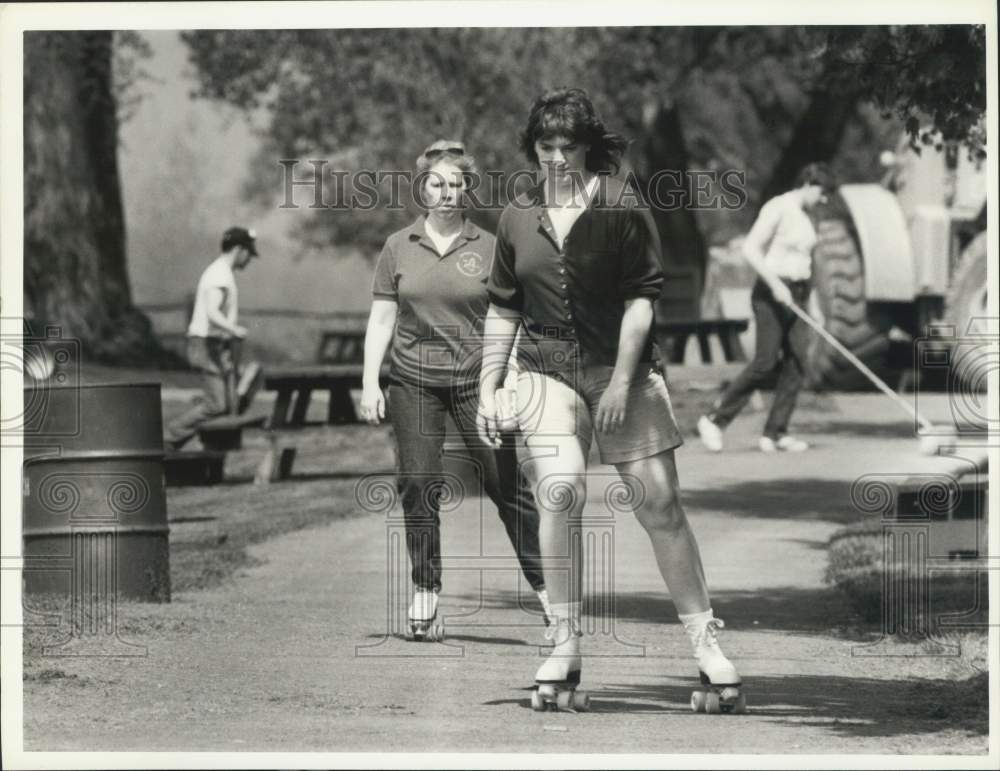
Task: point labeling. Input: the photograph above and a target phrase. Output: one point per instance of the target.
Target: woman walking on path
(429, 301)
(577, 264)
(779, 247)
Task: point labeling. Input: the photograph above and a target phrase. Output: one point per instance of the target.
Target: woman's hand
(506, 401)
(372, 404)
(611, 408)
(487, 419)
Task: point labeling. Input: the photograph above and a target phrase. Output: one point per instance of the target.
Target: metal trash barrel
(94, 500)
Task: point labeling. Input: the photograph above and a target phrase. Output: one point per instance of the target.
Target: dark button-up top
(572, 299)
(441, 300)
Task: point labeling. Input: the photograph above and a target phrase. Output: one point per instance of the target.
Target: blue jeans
(418, 420)
(212, 357)
(782, 340)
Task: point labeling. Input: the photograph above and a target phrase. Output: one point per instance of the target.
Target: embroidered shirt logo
(470, 264)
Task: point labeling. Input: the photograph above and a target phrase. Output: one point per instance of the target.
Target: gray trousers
(213, 358)
(782, 345)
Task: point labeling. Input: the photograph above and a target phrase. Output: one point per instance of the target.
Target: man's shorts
(553, 405)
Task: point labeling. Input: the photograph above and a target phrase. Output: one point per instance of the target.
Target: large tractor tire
(965, 307)
(838, 300)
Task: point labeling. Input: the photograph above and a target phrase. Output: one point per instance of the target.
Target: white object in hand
(506, 401)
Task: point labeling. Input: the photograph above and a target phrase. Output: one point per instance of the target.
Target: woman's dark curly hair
(568, 112)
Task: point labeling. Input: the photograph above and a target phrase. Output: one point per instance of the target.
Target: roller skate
(423, 626)
(721, 684)
(557, 679)
(543, 598)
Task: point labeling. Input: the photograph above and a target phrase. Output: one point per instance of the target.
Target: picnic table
(295, 384)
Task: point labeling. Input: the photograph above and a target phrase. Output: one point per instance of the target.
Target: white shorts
(552, 405)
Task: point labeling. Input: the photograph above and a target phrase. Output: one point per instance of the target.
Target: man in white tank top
(779, 247)
(211, 334)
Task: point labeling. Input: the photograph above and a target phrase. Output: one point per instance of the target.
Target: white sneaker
(784, 444)
(711, 434)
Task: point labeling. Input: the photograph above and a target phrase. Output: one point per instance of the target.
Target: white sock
(698, 619)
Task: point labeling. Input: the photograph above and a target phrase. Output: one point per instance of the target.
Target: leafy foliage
(933, 78)
(129, 50)
(372, 99)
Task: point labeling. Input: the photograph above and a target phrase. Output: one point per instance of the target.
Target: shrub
(856, 567)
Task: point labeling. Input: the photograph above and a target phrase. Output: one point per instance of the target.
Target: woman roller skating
(578, 264)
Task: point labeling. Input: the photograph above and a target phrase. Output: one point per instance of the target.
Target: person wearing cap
(212, 335)
(429, 300)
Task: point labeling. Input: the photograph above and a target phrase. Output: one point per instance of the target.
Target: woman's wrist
(620, 379)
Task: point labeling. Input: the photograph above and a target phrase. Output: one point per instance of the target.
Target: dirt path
(293, 654)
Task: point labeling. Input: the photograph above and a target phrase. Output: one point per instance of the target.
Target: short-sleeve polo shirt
(572, 298)
(441, 300)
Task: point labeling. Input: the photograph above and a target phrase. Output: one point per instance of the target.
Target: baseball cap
(239, 236)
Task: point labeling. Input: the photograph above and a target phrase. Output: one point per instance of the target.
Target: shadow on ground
(847, 706)
(786, 609)
(807, 499)
(901, 430)
(239, 480)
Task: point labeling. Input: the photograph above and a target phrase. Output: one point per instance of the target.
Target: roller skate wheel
(546, 692)
(740, 707)
(697, 701)
(581, 701)
(435, 633)
(712, 703)
(537, 702)
(564, 700)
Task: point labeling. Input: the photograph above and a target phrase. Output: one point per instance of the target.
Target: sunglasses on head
(455, 147)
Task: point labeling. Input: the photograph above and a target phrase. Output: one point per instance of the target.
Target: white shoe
(558, 678)
(711, 434)
(702, 630)
(423, 624)
(563, 664)
(424, 605)
(784, 444)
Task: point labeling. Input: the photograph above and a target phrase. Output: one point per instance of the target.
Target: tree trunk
(75, 275)
(684, 249)
(816, 137)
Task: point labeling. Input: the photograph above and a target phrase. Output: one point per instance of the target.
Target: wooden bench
(193, 468)
(226, 432)
(677, 334)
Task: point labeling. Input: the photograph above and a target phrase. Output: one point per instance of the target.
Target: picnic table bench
(202, 467)
(226, 432)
